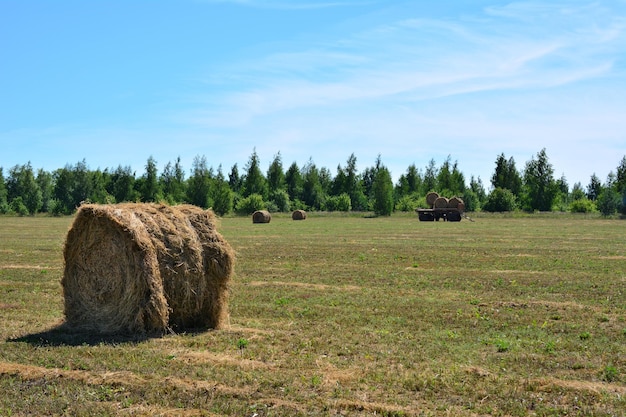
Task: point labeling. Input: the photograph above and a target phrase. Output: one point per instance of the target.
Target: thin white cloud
(426, 87)
(420, 59)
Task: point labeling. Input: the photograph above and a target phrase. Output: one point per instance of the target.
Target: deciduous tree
(21, 184)
(122, 184)
(200, 183)
(540, 188)
(222, 194)
(506, 175)
(172, 182)
(312, 193)
(45, 183)
(4, 204)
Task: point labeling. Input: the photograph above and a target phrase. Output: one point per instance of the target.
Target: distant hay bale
(441, 202)
(144, 268)
(298, 215)
(261, 216)
(455, 202)
(431, 197)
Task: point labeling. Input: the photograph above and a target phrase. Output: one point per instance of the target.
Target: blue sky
(115, 82)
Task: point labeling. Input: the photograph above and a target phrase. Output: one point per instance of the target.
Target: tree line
(24, 190)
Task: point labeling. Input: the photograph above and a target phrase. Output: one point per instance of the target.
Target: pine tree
(275, 175)
(382, 190)
(150, 190)
(254, 182)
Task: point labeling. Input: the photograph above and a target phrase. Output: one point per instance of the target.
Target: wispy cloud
(417, 59)
(483, 78)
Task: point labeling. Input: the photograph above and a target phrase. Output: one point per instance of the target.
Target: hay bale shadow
(63, 335)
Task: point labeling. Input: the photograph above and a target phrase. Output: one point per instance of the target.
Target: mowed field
(342, 315)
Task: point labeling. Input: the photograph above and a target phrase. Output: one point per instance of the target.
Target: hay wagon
(441, 208)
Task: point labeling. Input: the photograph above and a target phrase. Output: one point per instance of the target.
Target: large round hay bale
(441, 202)
(431, 197)
(454, 202)
(298, 215)
(144, 268)
(261, 216)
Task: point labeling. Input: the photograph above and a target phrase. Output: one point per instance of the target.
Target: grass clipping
(145, 268)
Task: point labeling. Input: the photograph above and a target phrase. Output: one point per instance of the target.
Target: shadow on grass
(63, 335)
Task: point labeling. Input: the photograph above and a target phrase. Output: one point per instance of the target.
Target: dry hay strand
(456, 202)
(144, 268)
(261, 216)
(441, 202)
(298, 215)
(431, 197)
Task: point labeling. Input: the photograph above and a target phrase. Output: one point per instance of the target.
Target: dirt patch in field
(123, 378)
(142, 410)
(235, 328)
(565, 305)
(550, 384)
(478, 371)
(372, 408)
(613, 258)
(31, 372)
(333, 376)
(194, 357)
(517, 271)
(321, 287)
(36, 267)
(19, 284)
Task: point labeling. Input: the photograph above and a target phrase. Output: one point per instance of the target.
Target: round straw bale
(298, 215)
(210, 310)
(261, 216)
(454, 202)
(431, 197)
(144, 268)
(441, 202)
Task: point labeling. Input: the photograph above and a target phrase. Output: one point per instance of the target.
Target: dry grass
(343, 315)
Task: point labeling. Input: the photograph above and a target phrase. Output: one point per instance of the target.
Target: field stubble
(344, 315)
